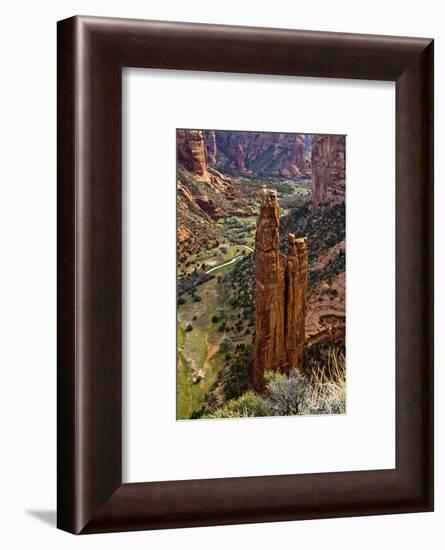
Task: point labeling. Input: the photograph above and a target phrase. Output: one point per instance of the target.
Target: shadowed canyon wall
(258, 153)
(281, 288)
(328, 170)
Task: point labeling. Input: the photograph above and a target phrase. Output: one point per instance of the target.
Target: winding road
(232, 261)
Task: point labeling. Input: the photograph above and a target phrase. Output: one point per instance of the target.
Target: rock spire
(281, 289)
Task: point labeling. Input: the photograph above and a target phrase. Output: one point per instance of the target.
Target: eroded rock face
(281, 288)
(328, 170)
(192, 152)
(295, 298)
(210, 142)
(326, 316)
(241, 159)
(263, 153)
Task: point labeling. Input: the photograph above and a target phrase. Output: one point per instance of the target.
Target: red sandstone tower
(281, 289)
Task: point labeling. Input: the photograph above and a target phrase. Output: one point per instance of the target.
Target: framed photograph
(245, 274)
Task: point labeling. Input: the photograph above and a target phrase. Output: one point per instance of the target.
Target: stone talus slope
(281, 287)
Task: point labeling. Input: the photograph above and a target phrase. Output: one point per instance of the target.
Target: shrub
(319, 393)
(248, 405)
(285, 394)
(226, 344)
(188, 328)
(215, 319)
(197, 298)
(181, 300)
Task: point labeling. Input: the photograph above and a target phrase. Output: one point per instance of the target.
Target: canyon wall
(210, 142)
(281, 288)
(192, 152)
(259, 153)
(328, 170)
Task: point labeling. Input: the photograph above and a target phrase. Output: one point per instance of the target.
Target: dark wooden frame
(91, 54)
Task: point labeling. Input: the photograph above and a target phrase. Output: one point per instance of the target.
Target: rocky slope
(203, 195)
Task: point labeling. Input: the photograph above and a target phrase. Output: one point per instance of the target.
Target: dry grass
(322, 392)
(326, 389)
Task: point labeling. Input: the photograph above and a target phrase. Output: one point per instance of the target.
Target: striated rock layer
(326, 315)
(281, 288)
(192, 152)
(261, 153)
(328, 170)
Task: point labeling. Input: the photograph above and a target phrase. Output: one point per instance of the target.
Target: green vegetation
(324, 227)
(180, 341)
(249, 404)
(214, 358)
(199, 359)
(295, 393)
(239, 230)
(237, 374)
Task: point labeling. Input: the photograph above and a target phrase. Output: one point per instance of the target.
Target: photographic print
(261, 267)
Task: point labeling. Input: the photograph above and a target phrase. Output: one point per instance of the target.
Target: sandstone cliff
(192, 152)
(328, 170)
(262, 154)
(210, 142)
(281, 287)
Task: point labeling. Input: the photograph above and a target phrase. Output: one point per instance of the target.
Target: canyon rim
(261, 261)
